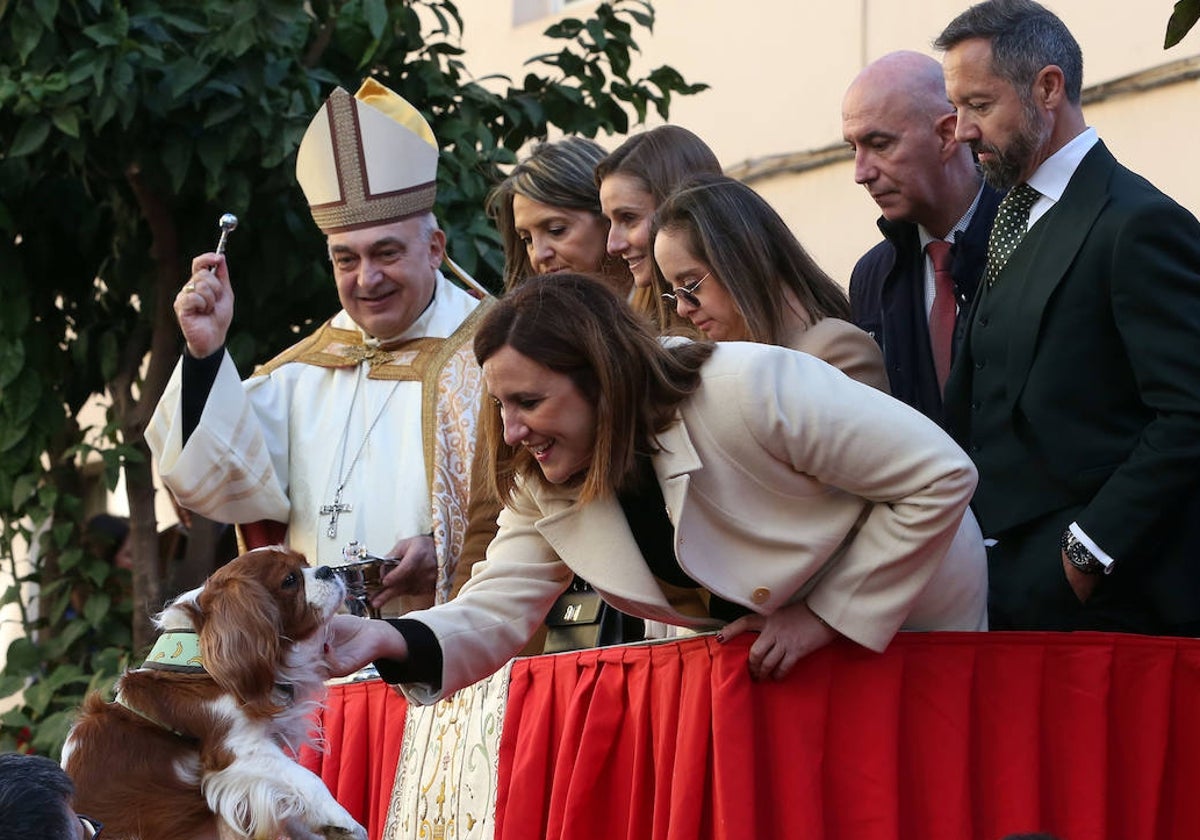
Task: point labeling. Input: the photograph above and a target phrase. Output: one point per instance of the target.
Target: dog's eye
(291, 581)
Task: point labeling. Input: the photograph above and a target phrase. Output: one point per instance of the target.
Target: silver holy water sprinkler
(228, 223)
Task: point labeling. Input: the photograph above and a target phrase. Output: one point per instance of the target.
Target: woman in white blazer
(809, 504)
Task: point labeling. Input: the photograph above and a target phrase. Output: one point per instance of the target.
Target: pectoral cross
(333, 511)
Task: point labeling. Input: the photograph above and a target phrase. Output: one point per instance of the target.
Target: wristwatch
(1078, 554)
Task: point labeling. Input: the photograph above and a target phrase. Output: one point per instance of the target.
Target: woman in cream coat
(807, 503)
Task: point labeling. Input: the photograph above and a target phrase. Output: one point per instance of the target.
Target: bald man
(896, 118)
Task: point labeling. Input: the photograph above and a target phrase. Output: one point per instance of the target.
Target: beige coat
(774, 461)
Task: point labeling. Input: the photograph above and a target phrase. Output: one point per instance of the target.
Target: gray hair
(1025, 37)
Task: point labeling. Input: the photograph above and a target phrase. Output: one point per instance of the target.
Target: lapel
(1064, 229)
(675, 462)
(595, 540)
(956, 412)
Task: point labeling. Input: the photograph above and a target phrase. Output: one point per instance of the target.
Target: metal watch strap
(1078, 554)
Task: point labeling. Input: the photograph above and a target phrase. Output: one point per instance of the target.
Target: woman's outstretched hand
(352, 643)
(785, 637)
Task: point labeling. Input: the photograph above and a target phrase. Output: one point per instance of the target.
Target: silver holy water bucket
(363, 578)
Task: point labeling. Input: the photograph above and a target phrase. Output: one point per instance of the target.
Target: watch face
(1081, 558)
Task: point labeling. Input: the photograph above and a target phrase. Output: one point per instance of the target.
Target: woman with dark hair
(736, 271)
(547, 212)
(633, 181)
(691, 483)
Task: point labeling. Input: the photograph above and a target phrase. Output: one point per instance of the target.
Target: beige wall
(778, 68)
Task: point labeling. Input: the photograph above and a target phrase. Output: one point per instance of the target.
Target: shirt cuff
(197, 378)
(424, 663)
(1091, 546)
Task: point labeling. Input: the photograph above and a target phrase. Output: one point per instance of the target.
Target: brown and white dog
(201, 738)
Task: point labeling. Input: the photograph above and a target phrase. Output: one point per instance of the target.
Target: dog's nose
(324, 572)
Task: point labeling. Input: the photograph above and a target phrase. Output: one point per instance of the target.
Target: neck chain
(338, 507)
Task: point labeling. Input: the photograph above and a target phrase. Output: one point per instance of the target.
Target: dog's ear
(239, 638)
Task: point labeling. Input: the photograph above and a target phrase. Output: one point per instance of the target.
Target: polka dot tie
(1012, 220)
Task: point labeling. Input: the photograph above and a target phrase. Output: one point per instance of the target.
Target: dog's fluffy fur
(211, 754)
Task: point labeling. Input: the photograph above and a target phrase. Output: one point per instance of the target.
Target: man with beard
(912, 292)
(1077, 389)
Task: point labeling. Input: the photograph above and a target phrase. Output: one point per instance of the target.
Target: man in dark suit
(1077, 390)
(930, 193)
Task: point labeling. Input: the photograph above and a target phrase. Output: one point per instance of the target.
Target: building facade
(777, 70)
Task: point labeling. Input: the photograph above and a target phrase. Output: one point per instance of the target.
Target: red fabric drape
(362, 726)
(944, 737)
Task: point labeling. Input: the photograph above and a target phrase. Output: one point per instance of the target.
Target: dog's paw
(337, 832)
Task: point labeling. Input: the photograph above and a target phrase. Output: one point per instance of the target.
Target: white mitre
(366, 160)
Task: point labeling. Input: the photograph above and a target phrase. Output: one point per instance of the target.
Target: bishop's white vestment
(393, 424)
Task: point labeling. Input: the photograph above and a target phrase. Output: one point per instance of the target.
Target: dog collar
(176, 650)
(121, 701)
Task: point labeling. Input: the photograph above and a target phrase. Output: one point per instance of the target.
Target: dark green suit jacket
(1098, 415)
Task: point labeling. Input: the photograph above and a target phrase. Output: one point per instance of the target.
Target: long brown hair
(659, 160)
(558, 174)
(576, 326)
(753, 252)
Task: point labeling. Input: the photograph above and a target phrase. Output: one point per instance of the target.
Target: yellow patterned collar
(334, 347)
(176, 650)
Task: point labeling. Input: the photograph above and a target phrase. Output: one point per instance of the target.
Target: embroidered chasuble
(393, 425)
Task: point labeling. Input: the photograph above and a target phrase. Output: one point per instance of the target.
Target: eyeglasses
(688, 293)
(91, 827)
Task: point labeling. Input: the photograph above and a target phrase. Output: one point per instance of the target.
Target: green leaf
(26, 31)
(376, 15)
(23, 657)
(67, 122)
(97, 606)
(182, 23)
(47, 10)
(565, 29)
(23, 489)
(30, 137)
(185, 74)
(10, 684)
(176, 157)
(107, 34)
(52, 732)
(595, 28)
(1183, 18)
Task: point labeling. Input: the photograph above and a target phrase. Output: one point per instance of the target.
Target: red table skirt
(362, 726)
(946, 736)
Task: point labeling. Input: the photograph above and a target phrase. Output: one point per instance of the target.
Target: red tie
(941, 316)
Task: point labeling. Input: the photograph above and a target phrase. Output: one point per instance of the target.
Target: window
(525, 11)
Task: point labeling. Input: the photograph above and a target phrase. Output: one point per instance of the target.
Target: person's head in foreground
(35, 801)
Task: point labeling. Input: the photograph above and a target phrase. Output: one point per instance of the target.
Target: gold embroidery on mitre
(368, 159)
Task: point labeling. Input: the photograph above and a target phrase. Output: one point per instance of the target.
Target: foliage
(126, 128)
(1182, 19)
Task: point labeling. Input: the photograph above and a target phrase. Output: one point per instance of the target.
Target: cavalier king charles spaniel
(200, 740)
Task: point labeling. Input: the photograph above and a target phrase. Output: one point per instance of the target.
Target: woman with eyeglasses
(737, 272)
(777, 494)
(547, 212)
(633, 181)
